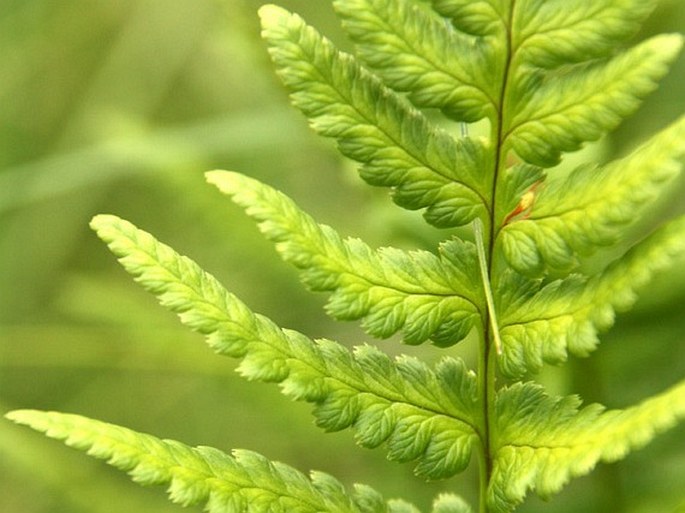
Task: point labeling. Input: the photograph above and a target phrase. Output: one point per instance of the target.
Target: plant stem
(486, 387)
(487, 363)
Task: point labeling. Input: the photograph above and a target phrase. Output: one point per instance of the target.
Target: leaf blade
(477, 17)
(543, 324)
(358, 390)
(550, 440)
(415, 51)
(580, 30)
(397, 146)
(424, 295)
(576, 215)
(243, 481)
(557, 111)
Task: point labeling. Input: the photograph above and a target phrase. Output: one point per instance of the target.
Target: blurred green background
(119, 107)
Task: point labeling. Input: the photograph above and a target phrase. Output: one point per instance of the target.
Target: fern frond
(556, 111)
(244, 481)
(550, 33)
(423, 295)
(547, 76)
(418, 413)
(425, 166)
(413, 50)
(576, 215)
(543, 442)
(541, 324)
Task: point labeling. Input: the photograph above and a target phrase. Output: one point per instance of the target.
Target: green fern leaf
(244, 481)
(413, 50)
(423, 295)
(592, 207)
(476, 17)
(370, 501)
(541, 324)
(424, 165)
(555, 111)
(551, 33)
(448, 503)
(543, 442)
(417, 412)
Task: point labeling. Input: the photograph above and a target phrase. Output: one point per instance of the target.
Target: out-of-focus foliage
(120, 107)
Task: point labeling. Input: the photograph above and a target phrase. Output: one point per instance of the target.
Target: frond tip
(243, 481)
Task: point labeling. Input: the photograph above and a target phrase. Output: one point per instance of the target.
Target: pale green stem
(487, 384)
(480, 247)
